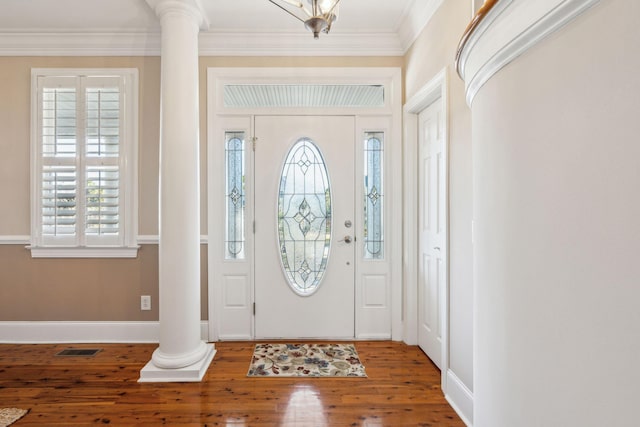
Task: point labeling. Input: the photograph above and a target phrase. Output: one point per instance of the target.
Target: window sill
(83, 252)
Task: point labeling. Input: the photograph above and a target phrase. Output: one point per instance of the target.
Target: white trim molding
(460, 398)
(84, 252)
(54, 332)
(508, 30)
(143, 239)
(154, 239)
(211, 43)
(415, 20)
(15, 240)
(214, 43)
(436, 89)
(79, 43)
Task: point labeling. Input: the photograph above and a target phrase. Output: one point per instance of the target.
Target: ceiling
(236, 27)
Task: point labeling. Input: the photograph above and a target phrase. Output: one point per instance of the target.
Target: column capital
(192, 8)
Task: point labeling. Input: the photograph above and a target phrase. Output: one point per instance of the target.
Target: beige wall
(558, 235)
(15, 113)
(82, 289)
(99, 289)
(432, 51)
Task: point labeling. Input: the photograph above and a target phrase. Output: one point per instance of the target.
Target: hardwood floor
(402, 389)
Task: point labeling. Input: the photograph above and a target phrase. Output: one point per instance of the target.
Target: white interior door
(304, 227)
(432, 214)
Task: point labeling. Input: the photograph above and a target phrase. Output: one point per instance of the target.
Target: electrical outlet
(145, 302)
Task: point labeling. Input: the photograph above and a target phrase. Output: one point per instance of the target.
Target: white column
(182, 355)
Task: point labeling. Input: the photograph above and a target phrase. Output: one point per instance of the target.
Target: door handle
(347, 239)
(437, 248)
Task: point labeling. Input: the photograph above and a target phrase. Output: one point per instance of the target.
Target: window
(304, 217)
(84, 163)
(373, 200)
(235, 195)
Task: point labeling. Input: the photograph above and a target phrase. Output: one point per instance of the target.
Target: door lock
(347, 239)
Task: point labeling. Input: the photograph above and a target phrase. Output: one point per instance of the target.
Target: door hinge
(254, 227)
(254, 308)
(254, 140)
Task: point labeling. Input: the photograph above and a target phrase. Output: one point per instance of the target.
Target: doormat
(306, 360)
(9, 416)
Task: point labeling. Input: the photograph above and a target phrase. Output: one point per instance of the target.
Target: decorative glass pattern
(304, 217)
(235, 195)
(374, 197)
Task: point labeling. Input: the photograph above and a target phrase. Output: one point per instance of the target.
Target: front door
(304, 227)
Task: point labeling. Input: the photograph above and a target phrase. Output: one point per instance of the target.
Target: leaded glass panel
(304, 217)
(235, 195)
(374, 195)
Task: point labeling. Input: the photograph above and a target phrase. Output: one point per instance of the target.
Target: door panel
(432, 232)
(282, 312)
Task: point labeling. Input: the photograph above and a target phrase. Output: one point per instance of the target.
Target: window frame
(79, 246)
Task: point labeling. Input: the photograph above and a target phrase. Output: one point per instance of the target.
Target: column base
(192, 373)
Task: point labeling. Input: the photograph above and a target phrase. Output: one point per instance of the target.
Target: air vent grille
(79, 352)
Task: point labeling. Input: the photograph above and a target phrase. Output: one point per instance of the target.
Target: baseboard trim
(57, 332)
(460, 398)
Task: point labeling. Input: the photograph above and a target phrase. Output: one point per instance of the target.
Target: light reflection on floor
(305, 408)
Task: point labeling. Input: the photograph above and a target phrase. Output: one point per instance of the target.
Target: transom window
(84, 162)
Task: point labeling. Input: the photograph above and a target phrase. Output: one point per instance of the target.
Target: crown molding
(140, 42)
(415, 20)
(79, 44)
(509, 29)
(299, 44)
(211, 44)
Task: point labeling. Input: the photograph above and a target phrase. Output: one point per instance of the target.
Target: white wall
(556, 163)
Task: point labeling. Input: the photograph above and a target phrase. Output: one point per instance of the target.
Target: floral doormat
(9, 416)
(306, 360)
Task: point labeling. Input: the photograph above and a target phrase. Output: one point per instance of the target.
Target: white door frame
(436, 90)
(391, 78)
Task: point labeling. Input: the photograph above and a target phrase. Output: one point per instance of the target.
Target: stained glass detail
(235, 195)
(304, 217)
(374, 197)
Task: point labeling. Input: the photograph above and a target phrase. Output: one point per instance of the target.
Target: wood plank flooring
(402, 389)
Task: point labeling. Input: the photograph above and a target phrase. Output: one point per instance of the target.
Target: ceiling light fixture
(317, 15)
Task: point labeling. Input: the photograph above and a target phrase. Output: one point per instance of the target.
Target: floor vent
(86, 352)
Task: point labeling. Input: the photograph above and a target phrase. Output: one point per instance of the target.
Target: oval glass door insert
(304, 217)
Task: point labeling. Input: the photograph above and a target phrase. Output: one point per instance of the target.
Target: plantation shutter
(59, 172)
(80, 126)
(102, 183)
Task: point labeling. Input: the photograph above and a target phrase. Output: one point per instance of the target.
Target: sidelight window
(235, 195)
(374, 195)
